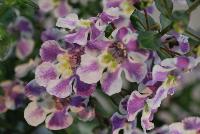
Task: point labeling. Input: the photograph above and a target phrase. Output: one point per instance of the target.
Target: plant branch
(166, 29)
(170, 52)
(192, 34)
(193, 6)
(146, 17)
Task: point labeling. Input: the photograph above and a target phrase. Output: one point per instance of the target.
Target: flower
(13, 95)
(58, 71)
(121, 54)
(54, 111)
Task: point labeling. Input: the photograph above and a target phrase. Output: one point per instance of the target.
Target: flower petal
(123, 105)
(70, 21)
(24, 48)
(87, 114)
(34, 114)
(135, 104)
(60, 88)
(80, 37)
(118, 122)
(58, 120)
(33, 90)
(160, 73)
(111, 82)
(191, 123)
(90, 71)
(44, 73)
(134, 72)
(110, 15)
(83, 89)
(49, 50)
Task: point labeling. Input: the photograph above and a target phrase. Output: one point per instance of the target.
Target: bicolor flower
(13, 95)
(125, 9)
(119, 122)
(44, 107)
(177, 42)
(79, 105)
(169, 72)
(83, 29)
(121, 55)
(57, 73)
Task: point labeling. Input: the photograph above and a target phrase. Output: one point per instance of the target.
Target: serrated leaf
(165, 7)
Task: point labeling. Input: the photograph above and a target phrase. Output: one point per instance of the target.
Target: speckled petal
(90, 71)
(80, 37)
(44, 73)
(192, 123)
(111, 82)
(33, 90)
(34, 114)
(58, 120)
(83, 89)
(123, 105)
(49, 50)
(118, 122)
(60, 88)
(109, 15)
(160, 73)
(134, 72)
(135, 104)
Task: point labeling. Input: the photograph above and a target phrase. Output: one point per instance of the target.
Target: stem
(170, 52)
(193, 6)
(192, 34)
(146, 17)
(165, 30)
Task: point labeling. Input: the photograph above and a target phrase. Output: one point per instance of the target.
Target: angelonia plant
(114, 69)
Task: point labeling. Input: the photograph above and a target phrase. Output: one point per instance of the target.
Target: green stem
(193, 6)
(165, 30)
(146, 17)
(170, 52)
(192, 34)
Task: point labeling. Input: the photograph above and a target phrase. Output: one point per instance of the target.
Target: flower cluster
(87, 55)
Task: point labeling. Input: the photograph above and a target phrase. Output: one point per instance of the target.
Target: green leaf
(138, 20)
(148, 40)
(165, 7)
(5, 44)
(7, 15)
(164, 21)
(109, 30)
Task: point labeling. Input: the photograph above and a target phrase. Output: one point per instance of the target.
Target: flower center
(68, 62)
(118, 51)
(115, 55)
